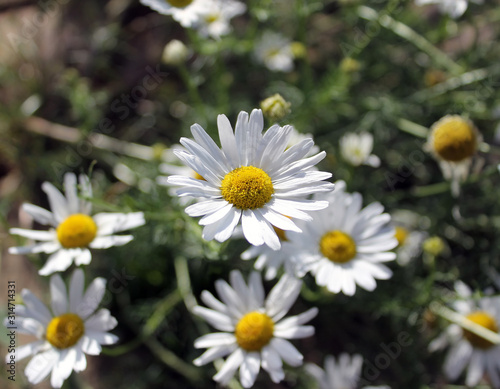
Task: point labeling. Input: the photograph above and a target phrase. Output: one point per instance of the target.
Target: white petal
(83, 258)
(92, 298)
(294, 332)
(40, 215)
(287, 351)
(235, 302)
(214, 353)
(63, 367)
(227, 370)
(45, 247)
(101, 321)
(111, 223)
(76, 286)
(214, 318)
(37, 309)
(205, 207)
(34, 234)
(85, 193)
(249, 369)
(475, 371)
(81, 360)
(57, 201)
(228, 141)
(90, 345)
(71, 194)
(101, 337)
(104, 242)
(256, 288)
(271, 362)
(209, 300)
(457, 358)
(59, 295)
(215, 340)
(41, 365)
(26, 350)
(298, 320)
(59, 261)
(282, 296)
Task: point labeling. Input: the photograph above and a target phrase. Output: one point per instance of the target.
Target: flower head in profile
(408, 234)
(453, 141)
(187, 12)
(454, 8)
(253, 178)
(343, 373)
(73, 231)
(356, 149)
(467, 349)
(215, 20)
(254, 330)
(71, 328)
(344, 245)
(275, 52)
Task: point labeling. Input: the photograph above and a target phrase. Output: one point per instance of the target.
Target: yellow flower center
(484, 320)
(401, 235)
(77, 230)
(179, 3)
(65, 330)
(337, 246)
(254, 331)
(454, 139)
(247, 187)
(212, 18)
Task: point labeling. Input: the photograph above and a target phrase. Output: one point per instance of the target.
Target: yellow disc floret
(247, 187)
(77, 230)
(179, 3)
(454, 138)
(484, 320)
(401, 235)
(337, 246)
(65, 330)
(254, 331)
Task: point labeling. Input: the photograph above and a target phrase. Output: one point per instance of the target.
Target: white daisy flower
(453, 141)
(73, 230)
(275, 52)
(71, 329)
(356, 149)
(215, 22)
(252, 178)
(187, 12)
(255, 332)
(468, 349)
(343, 374)
(454, 8)
(408, 235)
(343, 245)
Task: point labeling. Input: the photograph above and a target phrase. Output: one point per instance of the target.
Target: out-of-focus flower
(254, 331)
(275, 107)
(454, 8)
(299, 50)
(350, 65)
(74, 230)
(253, 178)
(433, 77)
(343, 245)
(275, 52)
(434, 246)
(467, 348)
(175, 53)
(356, 149)
(453, 141)
(187, 12)
(408, 235)
(74, 328)
(215, 21)
(341, 374)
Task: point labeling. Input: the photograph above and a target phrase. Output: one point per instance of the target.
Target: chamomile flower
(72, 328)
(254, 329)
(275, 52)
(253, 178)
(356, 149)
(468, 349)
(454, 8)
(410, 238)
(215, 21)
(73, 231)
(187, 12)
(453, 141)
(343, 373)
(343, 245)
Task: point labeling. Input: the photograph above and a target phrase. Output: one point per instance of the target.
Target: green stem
(430, 190)
(412, 128)
(411, 36)
(465, 323)
(184, 282)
